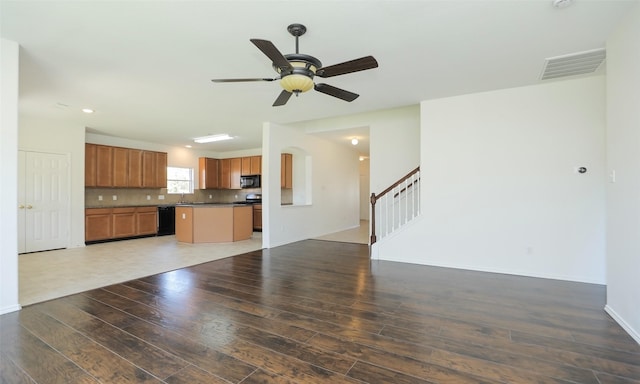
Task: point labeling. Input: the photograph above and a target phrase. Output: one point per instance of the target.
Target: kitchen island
(213, 223)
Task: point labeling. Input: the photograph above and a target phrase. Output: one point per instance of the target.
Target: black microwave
(252, 181)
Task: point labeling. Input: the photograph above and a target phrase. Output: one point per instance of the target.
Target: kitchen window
(179, 180)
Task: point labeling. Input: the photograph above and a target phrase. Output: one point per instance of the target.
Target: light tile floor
(48, 275)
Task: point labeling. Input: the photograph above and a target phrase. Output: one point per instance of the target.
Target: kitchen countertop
(124, 206)
(199, 204)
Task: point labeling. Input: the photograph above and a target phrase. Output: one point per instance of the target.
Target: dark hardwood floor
(321, 312)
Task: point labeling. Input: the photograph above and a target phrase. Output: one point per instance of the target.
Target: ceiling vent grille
(573, 64)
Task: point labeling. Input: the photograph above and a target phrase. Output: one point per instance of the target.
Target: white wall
(623, 156)
(9, 53)
(394, 140)
(499, 191)
(365, 181)
(333, 178)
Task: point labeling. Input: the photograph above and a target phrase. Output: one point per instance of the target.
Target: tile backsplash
(104, 197)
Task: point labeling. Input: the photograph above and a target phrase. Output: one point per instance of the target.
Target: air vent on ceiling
(573, 64)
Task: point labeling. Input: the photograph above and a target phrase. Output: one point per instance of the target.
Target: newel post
(373, 218)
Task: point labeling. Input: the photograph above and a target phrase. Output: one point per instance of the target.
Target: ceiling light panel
(212, 138)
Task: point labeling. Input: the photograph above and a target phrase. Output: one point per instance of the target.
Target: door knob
(29, 206)
(20, 206)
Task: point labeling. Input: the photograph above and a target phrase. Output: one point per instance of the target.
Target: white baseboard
(11, 308)
(632, 332)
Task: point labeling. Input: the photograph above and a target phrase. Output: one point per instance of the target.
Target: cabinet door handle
(20, 206)
(29, 206)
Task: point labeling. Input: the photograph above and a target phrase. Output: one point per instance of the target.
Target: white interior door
(43, 213)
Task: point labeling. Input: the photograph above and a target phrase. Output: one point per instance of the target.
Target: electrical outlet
(114, 197)
(99, 197)
(211, 196)
(148, 197)
(160, 197)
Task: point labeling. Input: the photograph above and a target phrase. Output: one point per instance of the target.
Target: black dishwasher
(166, 220)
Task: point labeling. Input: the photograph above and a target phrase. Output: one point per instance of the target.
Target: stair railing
(399, 204)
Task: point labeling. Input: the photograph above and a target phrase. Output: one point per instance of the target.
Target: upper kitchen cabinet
(251, 165)
(236, 171)
(120, 167)
(108, 167)
(224, 180)
(208, 173)
(135, 168)
(286, 171)
(104, 166)
(161, 169)
(90, 166)
(154, 169)
(225, 173)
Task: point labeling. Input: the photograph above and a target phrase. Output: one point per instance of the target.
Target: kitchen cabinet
(120, 167)
(161, 169)
(104, 166)
(108, 167)
(256, 165)
(224, 181)
(123, 221)
(146, 221)
(154, 169)
(286, 171)
(116, 223)
(149, 167)
(208, 173)
(236, 171)
(135, 168)
(246, 166)
(97, 224)
(211, 223)
(90, 165)
(257, 217)
(251, 165)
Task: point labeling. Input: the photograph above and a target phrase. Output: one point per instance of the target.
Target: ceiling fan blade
(356, 65)
(272, 53)
(282, 98)
(239, 80)
(336, 92)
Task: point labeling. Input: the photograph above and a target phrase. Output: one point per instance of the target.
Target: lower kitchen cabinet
(213, 223)
(102, 224)
(146, 220)
(257, 217)
(97, 224)
(124, 222)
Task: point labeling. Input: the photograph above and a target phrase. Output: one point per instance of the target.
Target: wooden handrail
(375, 198)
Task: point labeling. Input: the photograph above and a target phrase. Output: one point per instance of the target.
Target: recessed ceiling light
(212, 138)
(354, 141)
(187, 146)
(87, 110)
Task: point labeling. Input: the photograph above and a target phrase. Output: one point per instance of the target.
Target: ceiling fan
(296, 71)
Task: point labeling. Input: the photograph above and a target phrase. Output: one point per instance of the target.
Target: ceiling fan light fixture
(296, 83)
(212, 138)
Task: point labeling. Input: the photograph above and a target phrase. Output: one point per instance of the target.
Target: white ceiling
(145, 67)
